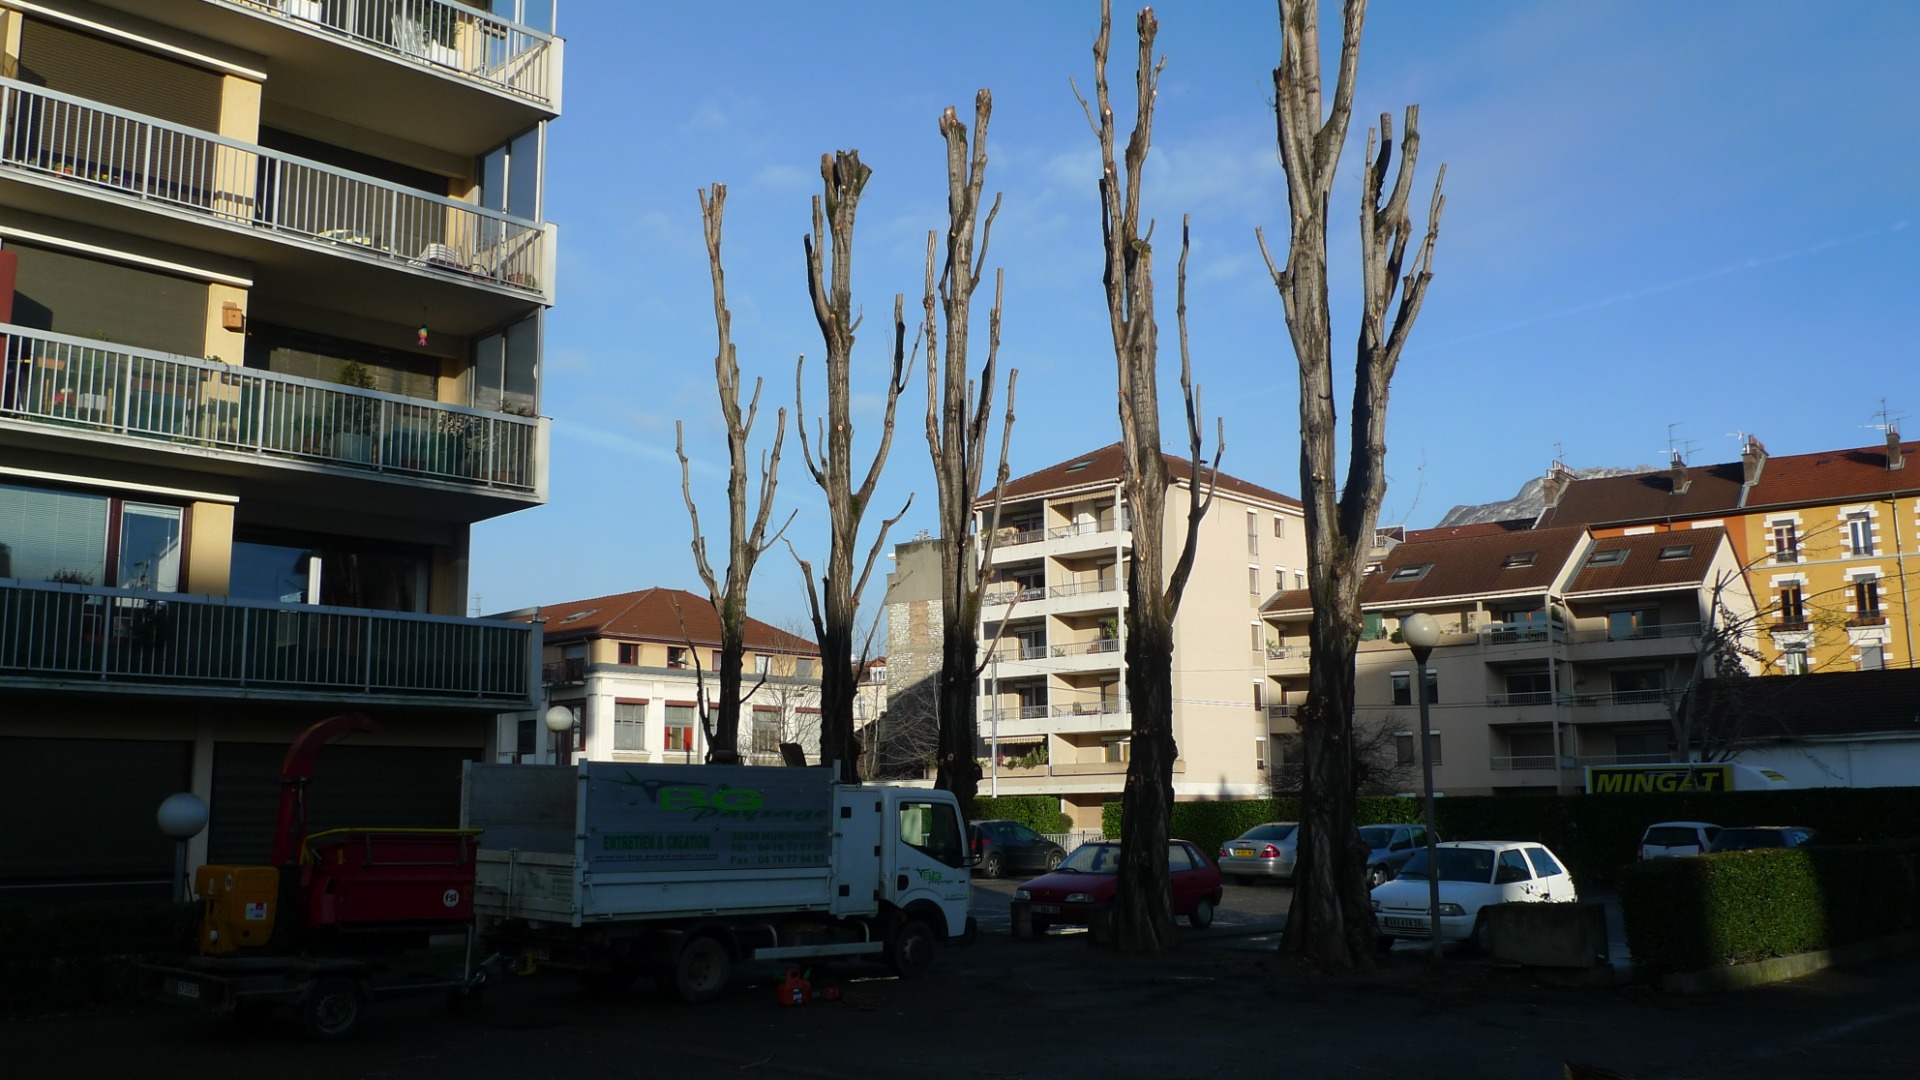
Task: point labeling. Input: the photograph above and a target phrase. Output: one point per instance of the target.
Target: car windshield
(1377, 836)
(1270, 833)
(1456, 864)
(1094, 859)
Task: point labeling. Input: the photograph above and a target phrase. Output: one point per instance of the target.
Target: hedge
(61, 956)
(1597, 835)
(1692, 914)
(1041, 813)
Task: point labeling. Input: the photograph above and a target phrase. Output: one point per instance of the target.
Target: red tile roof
(1103, 466)
(656, 615)
(1711, 491)
(1482, 528)
(1475, 565)
(1644, 568)
(1834, 476)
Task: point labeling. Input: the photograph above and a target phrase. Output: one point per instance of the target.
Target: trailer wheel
(701, 972)
(910, 953)
(332, 1010)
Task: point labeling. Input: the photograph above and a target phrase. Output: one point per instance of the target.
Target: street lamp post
(559, 720)
(181, 817)
(1422, 633)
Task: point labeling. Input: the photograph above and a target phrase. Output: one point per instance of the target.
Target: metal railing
(1085, 588)
(1014, 536)
(1622, 697)
(1015, 595)
(211, 643)
(1281, 712)
(439, 34)
(571, 670)
(1529, 697)
(126, 155)
(1090, 708)
(1288, 652)
(1084, 528)
(1521, 761)
(68, 382)
(1024, 712)
(1520, 633)
(1088, 648)
(1626, 759)
(1655, 632)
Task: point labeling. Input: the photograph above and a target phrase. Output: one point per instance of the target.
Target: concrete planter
(1549, 935)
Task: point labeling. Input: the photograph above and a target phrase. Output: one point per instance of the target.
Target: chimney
(1753, 458)
(1554, 484)
(1895, 459)
(1678, 472)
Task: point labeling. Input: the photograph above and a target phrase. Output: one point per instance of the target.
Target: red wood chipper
(321, 928)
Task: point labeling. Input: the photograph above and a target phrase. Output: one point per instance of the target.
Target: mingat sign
(1664, 780)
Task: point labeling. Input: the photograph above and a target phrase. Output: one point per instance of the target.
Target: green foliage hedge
(1696, 913)
(1597, 835)
(61, 956)
(1041, 813)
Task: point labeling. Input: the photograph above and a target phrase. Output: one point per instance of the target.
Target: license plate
(1045, 909)
(1243, 852)
(186, 989)
(1406, 924)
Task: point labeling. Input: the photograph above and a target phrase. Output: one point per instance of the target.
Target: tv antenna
(1889, 420)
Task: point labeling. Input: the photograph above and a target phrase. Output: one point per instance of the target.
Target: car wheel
(332, 1010)
(1376, 877)
(990, 866)
(1482, 939)
(701, 972)
(1054, 859)
(1202, 915)
(911, 952)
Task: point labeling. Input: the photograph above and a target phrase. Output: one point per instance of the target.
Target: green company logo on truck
(1602, 780)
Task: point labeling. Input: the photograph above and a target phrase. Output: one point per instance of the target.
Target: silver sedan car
(1262, 851)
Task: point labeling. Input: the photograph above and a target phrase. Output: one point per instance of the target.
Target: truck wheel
(701, 973)
(911, 952)
(332, 1010)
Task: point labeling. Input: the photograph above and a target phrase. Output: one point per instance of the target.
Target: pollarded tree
(959, 416)
(1143, 911)
(745, 544)
(1331, 922)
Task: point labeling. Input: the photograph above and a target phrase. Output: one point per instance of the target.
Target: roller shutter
(119, 75)
(366, 786)
(82, 810)
(94, 298)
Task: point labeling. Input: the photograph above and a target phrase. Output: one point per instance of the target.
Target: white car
(1473, 875)
(1667, 839)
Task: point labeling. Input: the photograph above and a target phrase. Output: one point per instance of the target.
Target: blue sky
(1694, 218)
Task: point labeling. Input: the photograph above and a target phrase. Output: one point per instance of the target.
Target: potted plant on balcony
(355, 440)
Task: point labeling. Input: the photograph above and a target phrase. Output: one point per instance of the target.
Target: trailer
(1682, 777)
(327, 925)
(613, 871)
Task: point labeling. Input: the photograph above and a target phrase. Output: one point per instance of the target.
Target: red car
(1084, 885)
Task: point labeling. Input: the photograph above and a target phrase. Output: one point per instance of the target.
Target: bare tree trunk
(744, 544)
(1143, 911)
(1331, 922)
(957, 430)
(829, 281)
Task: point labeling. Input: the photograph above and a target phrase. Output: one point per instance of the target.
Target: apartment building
(1053, 707)
(1561, 648)
(634, 668)
(273, 276)
(1828, 542)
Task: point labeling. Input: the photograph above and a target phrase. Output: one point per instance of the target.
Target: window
(1253, 532)
(1786, 543)
(1403, 687)
(1299, 579)
(1793, 608)
(1543, 863)
(1260, 752)
(1260, 695)
(1872, 657)
(1117, 750)
(630, 725)
(578, 740)
(62, 536)
(715, 662)
(1511, 868)
(803, 667)
(1279, 526)
(1530, 749)
(1253, 581)
(506, 369)
(1403, 753)
(524, 745)
(762, 664)
(1608, 557)
(1860, 533)
(766, 729)
(1519, 559)
(1639, 685)
(1633, 624)
(1411, 573)
(1178, 857)
(1529, 688)
(934, 830)
(679, 728)
(1681, 551)
(676, 657)
(1639, 747)
(1279, 579)
(1258, 637)
(1293, 751)
(1433, 746)
(1866, 600)
(1373, 626)
(1794, 660)
(629, 654)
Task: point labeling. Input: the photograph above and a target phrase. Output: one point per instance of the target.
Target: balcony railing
(1088, 648)
(1004, 595)
(1090, 708)
(1085, 588)
(480, 46)
(1083, 528)
(211, 644)
(559, 672)
(1287, 652)
(63, 382)
(1281, 712)
(1024, 712)
(1623, 697)
(1521, 761)
(128, 156)
(1528, 697)
(1656, 632)
(1626, 759)
(1521, 633)
(1014, 536)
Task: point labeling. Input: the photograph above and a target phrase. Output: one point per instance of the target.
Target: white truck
(614, 870)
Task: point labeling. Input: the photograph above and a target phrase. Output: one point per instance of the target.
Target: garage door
(364, 786)
(82, 810)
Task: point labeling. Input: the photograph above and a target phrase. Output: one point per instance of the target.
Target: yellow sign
(1664, 779)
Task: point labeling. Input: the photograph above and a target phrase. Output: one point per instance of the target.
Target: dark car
(1010, 846)
(1749, 837)
(1083, 887)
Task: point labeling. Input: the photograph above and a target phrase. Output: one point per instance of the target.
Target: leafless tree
(959, 418)
(1331, 923)
(745, 544)
(1143, 913)
(829, 281)
(1378, 768)
(904, 741)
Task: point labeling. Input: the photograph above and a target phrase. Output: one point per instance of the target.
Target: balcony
(562, 672)
(1088, 648)
(1282, 712)
(69, 637)
(1084, 595)
(1665, 639)
(1288, 659)
(443, 37)
(170, 182)
(68, 387)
